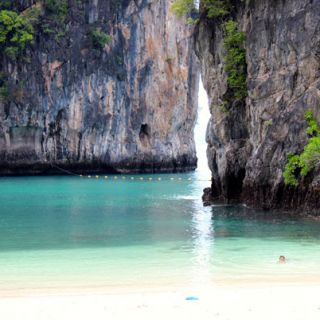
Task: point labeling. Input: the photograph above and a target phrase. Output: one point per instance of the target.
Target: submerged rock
(207, 198)
(249, 140)
(129, 105)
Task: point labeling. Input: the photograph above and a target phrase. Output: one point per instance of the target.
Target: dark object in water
(282, 259)
(207, 197)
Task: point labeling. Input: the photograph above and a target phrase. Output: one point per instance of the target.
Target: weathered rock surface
(130, 107)
(248, 143)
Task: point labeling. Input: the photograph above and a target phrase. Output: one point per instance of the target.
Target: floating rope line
(63, 170)
(145, 179)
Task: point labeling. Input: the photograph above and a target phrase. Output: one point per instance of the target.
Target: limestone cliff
(249, 141)
(130, 106)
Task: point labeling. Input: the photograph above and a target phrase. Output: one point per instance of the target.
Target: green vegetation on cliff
(3, 87)
(58, 9)
(5, 4)
(235, 60)
(53, 18)
(234, 40)
(214, 8)
(47, 18)
(16, 31)
(300, 165)
(183, 8)
(99, 38)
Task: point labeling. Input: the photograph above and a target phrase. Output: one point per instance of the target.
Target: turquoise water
(70, 232)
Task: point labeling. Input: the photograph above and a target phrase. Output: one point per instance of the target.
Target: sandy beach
(284, 301)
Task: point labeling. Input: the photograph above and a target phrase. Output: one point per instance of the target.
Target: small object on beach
(282, 259)
(192, 298)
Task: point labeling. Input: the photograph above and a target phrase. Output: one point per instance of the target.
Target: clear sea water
(59, 233)
(70, 232)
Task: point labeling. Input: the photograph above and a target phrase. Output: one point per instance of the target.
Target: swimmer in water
(282, 259)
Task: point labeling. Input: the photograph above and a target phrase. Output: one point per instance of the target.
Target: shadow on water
(240, 221)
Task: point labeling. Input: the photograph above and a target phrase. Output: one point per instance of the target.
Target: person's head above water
(282, 259)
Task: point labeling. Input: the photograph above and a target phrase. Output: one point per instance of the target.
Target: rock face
(130, 106)
(248, 142)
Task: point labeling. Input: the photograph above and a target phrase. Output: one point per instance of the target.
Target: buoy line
(143, 179)
(130, 178)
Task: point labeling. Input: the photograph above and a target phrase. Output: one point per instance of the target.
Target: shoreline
(220, 285)
(279, 301)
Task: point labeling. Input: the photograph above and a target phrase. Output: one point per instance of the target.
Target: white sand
(298, 301)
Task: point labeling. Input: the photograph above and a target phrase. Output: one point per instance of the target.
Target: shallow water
(69, 232)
